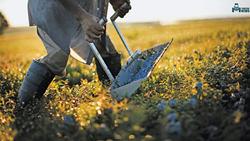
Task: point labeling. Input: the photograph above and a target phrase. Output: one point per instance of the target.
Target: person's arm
(117, 4)
(88, 22)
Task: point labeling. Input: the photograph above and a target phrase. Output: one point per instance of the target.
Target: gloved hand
(91, 28)
(117, 4)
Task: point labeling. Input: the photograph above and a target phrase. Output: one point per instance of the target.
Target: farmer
(65, 27)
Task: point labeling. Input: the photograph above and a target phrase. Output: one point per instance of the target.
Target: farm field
(199, 91)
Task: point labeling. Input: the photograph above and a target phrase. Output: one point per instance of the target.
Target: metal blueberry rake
(135, 70)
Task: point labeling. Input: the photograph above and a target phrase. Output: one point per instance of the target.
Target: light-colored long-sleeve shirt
(57, 22)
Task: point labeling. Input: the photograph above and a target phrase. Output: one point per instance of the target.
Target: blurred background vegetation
(3, 23)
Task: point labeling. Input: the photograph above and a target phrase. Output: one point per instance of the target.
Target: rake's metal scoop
(137, 68)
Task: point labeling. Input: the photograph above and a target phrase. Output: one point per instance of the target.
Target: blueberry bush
(200, 90)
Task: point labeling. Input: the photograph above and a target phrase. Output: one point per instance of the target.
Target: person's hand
(91, 28)
(117, 4)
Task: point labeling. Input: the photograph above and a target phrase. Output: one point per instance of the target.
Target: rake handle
(102, 22)
(115, 15)
(113, 18)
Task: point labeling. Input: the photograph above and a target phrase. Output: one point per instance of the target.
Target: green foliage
(76, 72)
(202, 94)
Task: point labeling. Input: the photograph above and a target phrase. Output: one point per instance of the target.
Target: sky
(166, 11)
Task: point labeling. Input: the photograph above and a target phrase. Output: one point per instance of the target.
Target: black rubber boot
(35, 82)
(113, 63)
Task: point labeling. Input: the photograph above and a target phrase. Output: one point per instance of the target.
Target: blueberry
(161, 107)
(241, 108)
(241, 92)
(163, 103)
(223, 84)
(234, 69)
(68, 120)
(219, 67)
(182, 107)
(247, 96)
(59, 130)
(192, 101)
(177, 127)
(248, 90)
(237, 95)
(185, 102)
(199, 84)
(212, 128)
(209, 115)
(169, 126)
(174, 127)
(211, 70)
(233, 97)
(172, 103)
(235, 84)
(236, 104)
(242, 100)
(171, 117)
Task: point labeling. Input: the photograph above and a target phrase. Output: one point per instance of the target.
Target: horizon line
(160, 22)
